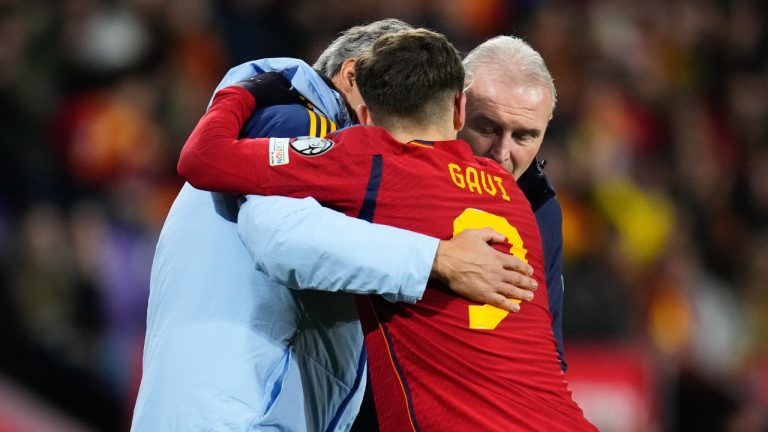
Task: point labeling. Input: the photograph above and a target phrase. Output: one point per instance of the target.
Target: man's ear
(363, 115)
(459, 111)
(344, 79)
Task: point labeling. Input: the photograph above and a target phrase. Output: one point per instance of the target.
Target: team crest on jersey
(311, 146)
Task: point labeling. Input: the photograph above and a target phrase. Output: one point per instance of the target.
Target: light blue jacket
(226, 348)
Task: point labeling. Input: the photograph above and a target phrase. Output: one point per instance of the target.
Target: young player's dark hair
(411, 76)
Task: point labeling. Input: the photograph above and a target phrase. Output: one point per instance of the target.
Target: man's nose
(501, 149)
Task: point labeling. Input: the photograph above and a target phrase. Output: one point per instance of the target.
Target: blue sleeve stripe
(401, 376)
(372, 190)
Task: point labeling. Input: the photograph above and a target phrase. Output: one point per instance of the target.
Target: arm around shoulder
(303, 245)
(213, 158)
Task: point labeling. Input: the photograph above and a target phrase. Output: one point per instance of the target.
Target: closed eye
(524, 135)
(487, 130)
(485, 126)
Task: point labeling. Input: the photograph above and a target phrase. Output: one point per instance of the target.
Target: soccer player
(443, 363)
(219, 334)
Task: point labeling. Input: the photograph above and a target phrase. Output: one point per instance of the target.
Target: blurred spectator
(658, 150)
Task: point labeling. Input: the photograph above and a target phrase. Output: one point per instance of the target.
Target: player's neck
(424, 134)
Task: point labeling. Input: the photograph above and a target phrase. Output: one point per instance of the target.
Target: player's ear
(363, 115)
(459, 110)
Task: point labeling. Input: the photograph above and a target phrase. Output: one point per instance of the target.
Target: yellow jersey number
(487, 317)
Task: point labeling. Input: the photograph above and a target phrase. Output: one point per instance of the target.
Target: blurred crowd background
(658, 150)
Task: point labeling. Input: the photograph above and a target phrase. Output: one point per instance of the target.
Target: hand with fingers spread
(473, 269)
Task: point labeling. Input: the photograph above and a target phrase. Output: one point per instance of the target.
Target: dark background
(658, 150)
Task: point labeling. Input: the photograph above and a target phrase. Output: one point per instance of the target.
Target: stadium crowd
(658, 150)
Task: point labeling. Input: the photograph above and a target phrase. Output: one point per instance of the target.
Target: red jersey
(444, 363)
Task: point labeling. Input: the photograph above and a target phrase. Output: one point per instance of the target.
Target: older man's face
(506, 121)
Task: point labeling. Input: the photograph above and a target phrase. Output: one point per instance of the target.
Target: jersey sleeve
(302, 245)
(213, 158)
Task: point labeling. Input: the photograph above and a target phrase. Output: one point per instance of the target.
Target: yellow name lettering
(472, 180)
(477, 181)
(456, 176)
(501, 188)
(487, 183)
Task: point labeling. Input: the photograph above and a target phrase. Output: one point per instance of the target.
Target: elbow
(184, 166)
(191, 170)
(203, 174)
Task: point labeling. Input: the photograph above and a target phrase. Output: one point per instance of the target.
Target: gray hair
(509, 57)
(354, 42)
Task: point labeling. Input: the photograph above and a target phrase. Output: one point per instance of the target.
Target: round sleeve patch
(311, 146)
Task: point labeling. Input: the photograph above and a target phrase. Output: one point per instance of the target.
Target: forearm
(213, 158)
(302, 245)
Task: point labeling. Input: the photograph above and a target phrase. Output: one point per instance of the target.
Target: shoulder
(303, 78)
(549, 215)
(536, 186)
(370, 134)
(551, 207)
(288, 120)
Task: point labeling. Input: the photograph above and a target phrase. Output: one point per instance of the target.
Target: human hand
(270, 88)
(475, 270)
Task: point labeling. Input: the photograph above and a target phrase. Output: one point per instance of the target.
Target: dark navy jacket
(549, 215)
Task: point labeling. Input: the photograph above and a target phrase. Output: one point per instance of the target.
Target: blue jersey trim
(401, 375)
(372, 190)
